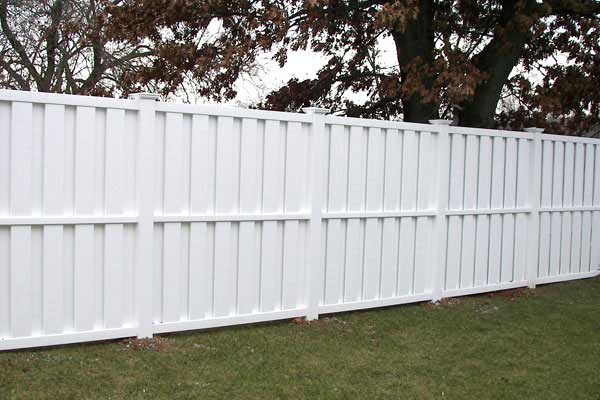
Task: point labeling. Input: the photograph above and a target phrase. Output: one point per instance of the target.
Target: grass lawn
(522, 344)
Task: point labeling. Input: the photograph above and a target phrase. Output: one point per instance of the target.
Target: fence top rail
(236, 112)
(462, 130)
(376, 123)
(66, 99)
(570, 139)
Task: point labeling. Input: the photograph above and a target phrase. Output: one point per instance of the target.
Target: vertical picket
(595, 234)
(545, 217)
(577, 202)
(20, 236)
(249, 252)
(455, 202)
(508, 223)
(113, 242)
(173, 287)
(350, 263)
(225, 285)
(467, 273)
(556, 220)
(442, 183)
(5, 194)
(53, 191)
(374, 202)
(566, 233)
(84, 205)
(292, 269)
(357, 165)
(202, 185)
(484, 185)
(524, 175)
(496, 203)
(408, 202)
(391, 199)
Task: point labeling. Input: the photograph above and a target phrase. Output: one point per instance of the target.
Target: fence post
(535, 181)
(145, 205)
(314, 286)
(442, 183)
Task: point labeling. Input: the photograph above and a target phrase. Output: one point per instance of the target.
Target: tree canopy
(484, 63)
(454, 58)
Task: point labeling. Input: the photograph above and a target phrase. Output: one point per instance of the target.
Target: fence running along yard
(133, 217)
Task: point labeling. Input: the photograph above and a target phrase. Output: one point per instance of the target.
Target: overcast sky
(300, 64)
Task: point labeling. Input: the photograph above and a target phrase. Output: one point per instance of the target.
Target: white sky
(303, 64)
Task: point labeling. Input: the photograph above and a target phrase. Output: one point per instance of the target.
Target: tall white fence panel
(67, 219)
(133, 217)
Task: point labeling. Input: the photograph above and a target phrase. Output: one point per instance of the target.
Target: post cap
(144, 96)
(533, 129)
(315, 110)
(440, 122)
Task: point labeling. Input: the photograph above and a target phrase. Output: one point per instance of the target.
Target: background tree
(453, 58)
(484, 63)
(62, 46)
(208, 44)
(112, 48)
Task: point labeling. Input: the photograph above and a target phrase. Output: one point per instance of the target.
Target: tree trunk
(497, 60)
(415, 43)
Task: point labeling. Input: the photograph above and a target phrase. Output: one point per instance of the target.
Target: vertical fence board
(225, 286)
(389, 258)
(410, 162)
(295, 168)
(595, 235)
(357, 166)
(422, 255)
(201, 271)
(5, 283)
(113, 290)
(372, 259)
(426, 173)
(271, 269)
(406, 263)
(334, 261)
(484, 186)
(353, 262)
(21, 306)
(375, 165)
(292, 269)
(393, 170)
(467, 272)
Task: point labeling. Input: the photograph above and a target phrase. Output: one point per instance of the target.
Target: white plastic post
(145, 227)
(315, 277)
(442, 184)
(535, 181)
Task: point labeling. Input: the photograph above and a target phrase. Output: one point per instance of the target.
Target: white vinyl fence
(133, 217)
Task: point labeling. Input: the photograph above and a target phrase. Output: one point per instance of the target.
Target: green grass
(543, 344)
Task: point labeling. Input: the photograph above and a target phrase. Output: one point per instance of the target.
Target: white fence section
(133, 217)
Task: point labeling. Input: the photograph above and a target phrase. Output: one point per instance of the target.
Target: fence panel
(569, 214)
(66, 221)
(231, 207)
(133, 217)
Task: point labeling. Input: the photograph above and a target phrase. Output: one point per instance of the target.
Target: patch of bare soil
(446, 302)
(157, 344)
(512, 294)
